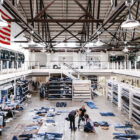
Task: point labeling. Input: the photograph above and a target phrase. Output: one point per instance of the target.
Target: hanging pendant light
(99, 42)
(130, 23)
(88, 50)
(31, 41)
(3, 23)
(43, 50)
(125, 50)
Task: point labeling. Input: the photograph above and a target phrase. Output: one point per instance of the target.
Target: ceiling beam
(67, 20)
(20, 33)
(19, 41)
(120, 7)
(80, 5)
(61, 20)
(17, 15)
(31, 10)
(44, 9)
(98, 12)
(65, 29)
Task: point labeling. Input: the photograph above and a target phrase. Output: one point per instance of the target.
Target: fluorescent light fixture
(90, 45)
(125, 50)
(3, 23)
(65, 45)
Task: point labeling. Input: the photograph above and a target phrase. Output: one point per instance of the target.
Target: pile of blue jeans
(107, 114)
(123, 136)
(50, 121)
(91, 105)
(61, 104)
(103, 123)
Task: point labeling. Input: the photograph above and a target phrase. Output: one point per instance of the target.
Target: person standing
(82, 112)
(72, 115)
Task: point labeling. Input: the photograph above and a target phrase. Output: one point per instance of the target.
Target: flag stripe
(4, 38)
(4, 14)
(6, 29)
(5, 32)
(4, 42)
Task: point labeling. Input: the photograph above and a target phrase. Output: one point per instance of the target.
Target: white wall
(15, 29)
(55, 58)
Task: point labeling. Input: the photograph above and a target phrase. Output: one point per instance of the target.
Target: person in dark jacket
(89, 127)
(72, 115)
(82, 112)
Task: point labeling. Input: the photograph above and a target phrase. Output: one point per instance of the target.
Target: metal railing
(77, 66)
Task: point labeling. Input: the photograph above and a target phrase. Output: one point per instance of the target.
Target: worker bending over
(72, 115)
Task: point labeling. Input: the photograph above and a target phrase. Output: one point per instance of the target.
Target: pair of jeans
(81, 118)
(86, 129)
(72, 121)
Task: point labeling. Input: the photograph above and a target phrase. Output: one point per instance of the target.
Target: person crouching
(89, 126)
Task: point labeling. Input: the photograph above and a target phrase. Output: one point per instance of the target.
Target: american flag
(5, 32)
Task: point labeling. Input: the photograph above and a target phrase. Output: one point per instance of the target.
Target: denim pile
(103, 123)
(44, 136)
(91, 105)
(50, 121)
(124, 136)
(129, 133)
(29, 128)
(44, 110)
(61, 104)
(106, 114)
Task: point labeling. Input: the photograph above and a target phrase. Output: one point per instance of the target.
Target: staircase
(69, 75)
(81, 88)
(78, 73)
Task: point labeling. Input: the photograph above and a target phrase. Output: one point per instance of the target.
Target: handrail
(76, 71)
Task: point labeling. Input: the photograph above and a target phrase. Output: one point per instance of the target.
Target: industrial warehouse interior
(69, 69)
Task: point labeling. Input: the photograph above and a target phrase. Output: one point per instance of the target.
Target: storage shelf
(60, 82)
(128, 98)
(60, 98)
(136, 118)
(136, 110)
(136, 101)
(59, 90)
(59, 94)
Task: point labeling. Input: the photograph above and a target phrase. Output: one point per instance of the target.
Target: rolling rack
(21, 89)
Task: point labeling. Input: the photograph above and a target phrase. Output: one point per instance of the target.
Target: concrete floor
(25, 118)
